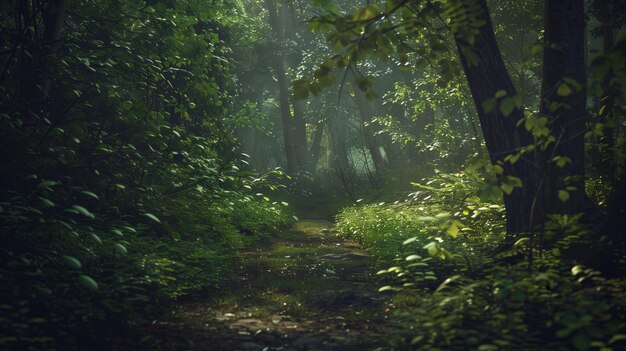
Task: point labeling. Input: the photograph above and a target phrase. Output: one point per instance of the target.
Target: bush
(453, 293)
(446, 218)
(76, 273)
(512, 308)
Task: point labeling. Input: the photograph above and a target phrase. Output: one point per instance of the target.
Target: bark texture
(502, 137)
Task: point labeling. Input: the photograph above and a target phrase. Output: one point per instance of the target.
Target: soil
(309, 290)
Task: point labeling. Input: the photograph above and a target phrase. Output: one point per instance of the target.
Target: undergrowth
(73, 274)
(455, 288)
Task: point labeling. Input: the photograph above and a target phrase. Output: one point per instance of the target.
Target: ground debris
(311, 290)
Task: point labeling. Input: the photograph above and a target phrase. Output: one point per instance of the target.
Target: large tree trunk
(564, 59)
(527, 206)
(486, 74)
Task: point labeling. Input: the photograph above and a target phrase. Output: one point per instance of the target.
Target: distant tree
(294, 127)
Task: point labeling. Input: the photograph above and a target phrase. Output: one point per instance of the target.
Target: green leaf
(515, 181)
(561, 161)
(418, 264)
(391, 4)
(507, 105)
(616, 338)
(573, 83)
(96, 238)
(83, 211)
(577, 269)
(152, 217)
(563, 195)
(90, 194)
(120, 248)
(500, 93)
(536, 49)
(432, 248)
(72, 262)
(453, 230)
(367, 13)
(47, 202)
(130, 229)
(507, 188)
(409, 240)
(385, 288)
(564, 90)
(88, 282)
(413, 257)
(509, 183)
(521, 241)
(48, 184)
(529, 122)
(320, 24)
(416, 340)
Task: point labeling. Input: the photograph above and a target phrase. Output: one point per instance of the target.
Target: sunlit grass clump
(445, 215)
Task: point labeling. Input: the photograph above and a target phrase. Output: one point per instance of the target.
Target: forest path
(310, 290)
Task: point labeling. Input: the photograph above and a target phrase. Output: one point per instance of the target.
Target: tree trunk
(299, 130)
(486, 74)
(564, 61)
(339, 160)
(39, 62)
(371, 143)
(292, 125)
(316, 146)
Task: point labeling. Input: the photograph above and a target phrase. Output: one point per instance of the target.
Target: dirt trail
(311, 290)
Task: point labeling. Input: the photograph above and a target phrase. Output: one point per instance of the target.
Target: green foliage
(510, 308)
(445, 216)
(453, 293)
(83, 267)
(435, 127)
(122, 188)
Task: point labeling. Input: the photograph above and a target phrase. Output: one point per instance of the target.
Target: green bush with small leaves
(456, 288)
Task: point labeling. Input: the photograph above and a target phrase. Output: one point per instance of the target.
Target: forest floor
(308, 290)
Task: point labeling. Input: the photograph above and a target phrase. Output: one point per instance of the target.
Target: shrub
(453, 293)
(446, 218)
